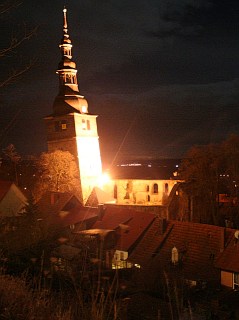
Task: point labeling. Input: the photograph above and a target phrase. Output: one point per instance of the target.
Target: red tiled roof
(98, 196)
(229, 258)
(77, 215)
(64, 209)
(54, 202)
(149, 243)
(130, 224)
(113, 217)
(199, 245)
(142, 172)
(4, 188)
(154, 169)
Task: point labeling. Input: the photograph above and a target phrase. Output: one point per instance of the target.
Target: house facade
(228, 262)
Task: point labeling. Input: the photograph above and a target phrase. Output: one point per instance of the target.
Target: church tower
(70, 127)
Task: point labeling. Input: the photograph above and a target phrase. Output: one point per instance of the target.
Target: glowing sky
(161, 74)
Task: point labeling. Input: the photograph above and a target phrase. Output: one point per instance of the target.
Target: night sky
(162, 75)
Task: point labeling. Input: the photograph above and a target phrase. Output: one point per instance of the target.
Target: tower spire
(68, 99)
(65, 20)
(70, 127)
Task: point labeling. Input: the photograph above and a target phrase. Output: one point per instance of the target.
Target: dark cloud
(162, 75)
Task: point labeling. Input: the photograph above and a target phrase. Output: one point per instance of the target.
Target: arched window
(115, 191)
(155, 188)
(148, 198)
(68, 78)
(127, 196)
(147, 188)
(166, 188)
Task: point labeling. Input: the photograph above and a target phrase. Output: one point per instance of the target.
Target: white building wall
(141, 192)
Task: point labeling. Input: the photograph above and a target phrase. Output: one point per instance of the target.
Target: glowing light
(104, 179)
(84, 109)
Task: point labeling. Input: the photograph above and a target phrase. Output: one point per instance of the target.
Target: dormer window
(84, 109)
(174, 257)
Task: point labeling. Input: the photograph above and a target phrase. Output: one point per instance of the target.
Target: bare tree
(15, 41)
(57, 172)
(8, 49)
(211, 170)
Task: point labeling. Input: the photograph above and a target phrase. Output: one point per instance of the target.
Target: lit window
(84, 109)
(63, 125)
(60, 125)
(122, 255)
(236, 280)
(174, 255)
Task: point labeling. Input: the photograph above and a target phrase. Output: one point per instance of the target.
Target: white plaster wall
(140, 191)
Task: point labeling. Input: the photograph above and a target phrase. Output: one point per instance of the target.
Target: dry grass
(18, 302)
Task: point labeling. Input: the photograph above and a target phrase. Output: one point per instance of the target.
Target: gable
(229, 258)
(55, 202)
(130, 225)
(12, 200)
(4, 188)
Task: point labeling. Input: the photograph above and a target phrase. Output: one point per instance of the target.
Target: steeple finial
(69, 98)
(65, 20)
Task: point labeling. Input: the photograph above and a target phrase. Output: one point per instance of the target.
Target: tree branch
(16, 74)
(16, 41)
(8, 6)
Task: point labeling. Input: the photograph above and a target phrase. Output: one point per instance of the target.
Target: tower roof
(68, 99)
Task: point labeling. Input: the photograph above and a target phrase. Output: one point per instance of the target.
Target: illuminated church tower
(70, 127)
